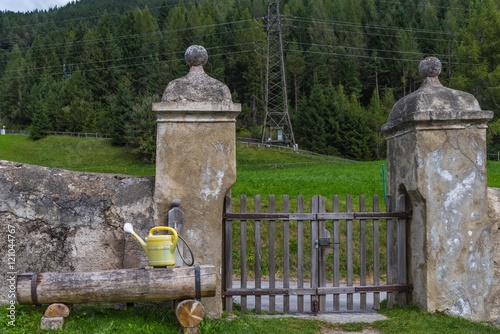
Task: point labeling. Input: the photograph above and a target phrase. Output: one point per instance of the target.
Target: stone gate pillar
(196, 160)
(436, 152)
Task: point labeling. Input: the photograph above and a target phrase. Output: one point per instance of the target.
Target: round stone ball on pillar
(196, 160)
(196, 55)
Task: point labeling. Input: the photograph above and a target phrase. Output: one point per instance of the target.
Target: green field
(78, 154)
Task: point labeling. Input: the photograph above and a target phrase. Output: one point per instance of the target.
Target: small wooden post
(190, 313)
(176, 221)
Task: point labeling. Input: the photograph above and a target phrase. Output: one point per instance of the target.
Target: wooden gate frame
(396, 285)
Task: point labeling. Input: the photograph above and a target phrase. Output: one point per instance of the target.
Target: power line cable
(419, 4)
(374, 34)
(375, 57)
(117, 66)
(113, 39)
(359, 25)
(176, 55)
(343, 47)
(141, 35)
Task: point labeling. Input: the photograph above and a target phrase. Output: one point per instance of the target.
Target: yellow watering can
(159, 248)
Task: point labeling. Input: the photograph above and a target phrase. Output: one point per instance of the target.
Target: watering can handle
(165, 228)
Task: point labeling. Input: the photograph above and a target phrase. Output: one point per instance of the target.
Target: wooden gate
(311, 260)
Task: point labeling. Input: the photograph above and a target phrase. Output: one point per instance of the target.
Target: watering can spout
(129, 229)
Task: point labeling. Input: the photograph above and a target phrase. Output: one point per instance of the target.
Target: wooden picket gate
(310, 262)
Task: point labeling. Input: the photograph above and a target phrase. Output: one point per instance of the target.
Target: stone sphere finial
(196, 55)
(430, 67)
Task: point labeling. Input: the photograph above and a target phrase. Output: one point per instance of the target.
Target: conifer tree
(141, 129)
(12, 90)
(119, 115)
(40, 125)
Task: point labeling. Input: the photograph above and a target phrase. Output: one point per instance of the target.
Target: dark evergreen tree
(12, 91)
(141, 129)
(75, 95)
(119, 115)
(139, 48)
(40, 124)
(309, 122)
(100, 65)
(42, 59)
(297, 69)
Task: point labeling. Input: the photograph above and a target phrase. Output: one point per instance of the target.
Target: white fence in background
(61, 133)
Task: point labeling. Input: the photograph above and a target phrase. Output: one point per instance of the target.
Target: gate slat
(389, 252)
(272, 255)
(243, 252)
(300, 254)
(258, 256)
(314, 255)
(286, 255)
(376, 255)
(401, 230)
(336, 254)
(228, 253)
(350, 250)
(362, 241)
(323, 251)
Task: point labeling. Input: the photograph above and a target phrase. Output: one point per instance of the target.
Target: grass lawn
(78, 154)
(150, 319)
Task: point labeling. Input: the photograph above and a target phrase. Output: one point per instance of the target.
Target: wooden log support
(190, 313)
(115, 286)
(56, 310)
(53, 318)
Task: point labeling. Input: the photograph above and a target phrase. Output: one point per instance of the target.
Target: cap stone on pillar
(197, 86)
(434, 102)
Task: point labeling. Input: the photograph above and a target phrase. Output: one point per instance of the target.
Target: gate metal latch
(323, 243)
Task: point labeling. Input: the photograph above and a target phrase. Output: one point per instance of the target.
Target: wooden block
(191, 330)
(189, 313)
(57, 310)
(52, 323)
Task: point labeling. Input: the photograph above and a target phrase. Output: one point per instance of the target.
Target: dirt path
(326, 330)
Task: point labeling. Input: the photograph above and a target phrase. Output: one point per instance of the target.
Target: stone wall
(71, 221)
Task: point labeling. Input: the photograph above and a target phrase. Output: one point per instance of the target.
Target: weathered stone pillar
(196, 160)
(436, 148)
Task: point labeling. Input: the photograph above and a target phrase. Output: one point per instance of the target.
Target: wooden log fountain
(115, 286)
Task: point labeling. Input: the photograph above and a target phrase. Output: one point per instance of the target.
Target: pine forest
(97, 66)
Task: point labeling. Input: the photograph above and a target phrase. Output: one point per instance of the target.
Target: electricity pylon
(277, 127)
